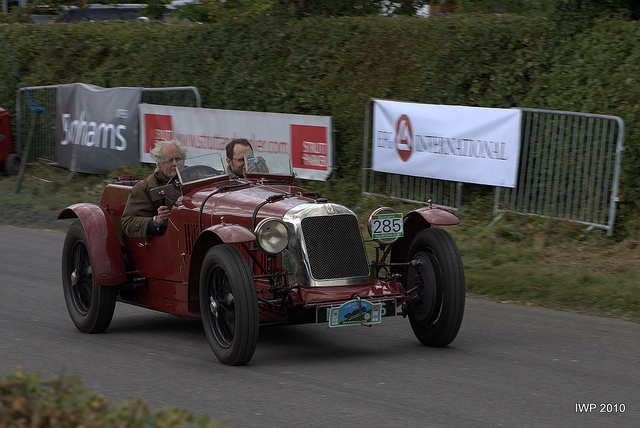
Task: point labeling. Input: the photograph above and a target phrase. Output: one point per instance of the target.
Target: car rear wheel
(90, 305)
(12, 164)
(436, 312)
(229, 305)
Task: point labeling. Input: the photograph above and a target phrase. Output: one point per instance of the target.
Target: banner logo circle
(404, 138)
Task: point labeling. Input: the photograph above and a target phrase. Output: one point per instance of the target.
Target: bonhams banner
(97, 128)
(308, 139)
(454, 143)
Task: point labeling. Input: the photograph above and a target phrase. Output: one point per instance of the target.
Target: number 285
(387, 225)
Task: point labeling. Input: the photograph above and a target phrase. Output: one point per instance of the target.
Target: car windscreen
(202, 167)
(263, 163)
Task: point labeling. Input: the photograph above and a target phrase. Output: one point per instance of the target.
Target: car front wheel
(229, 305)
(436, 312)
(90, 305)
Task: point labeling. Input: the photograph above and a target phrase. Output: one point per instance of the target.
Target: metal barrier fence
(569, 169)
(41, 128)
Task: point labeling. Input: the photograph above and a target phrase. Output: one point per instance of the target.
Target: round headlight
(386, 231)
(272, 235)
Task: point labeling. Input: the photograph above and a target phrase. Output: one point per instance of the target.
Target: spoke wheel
(90, 305)
(229, 305)
(436, 312)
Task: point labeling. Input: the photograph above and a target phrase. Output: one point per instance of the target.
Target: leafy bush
(28, 400)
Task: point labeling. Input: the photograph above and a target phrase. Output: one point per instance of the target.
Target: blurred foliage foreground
(30, 401)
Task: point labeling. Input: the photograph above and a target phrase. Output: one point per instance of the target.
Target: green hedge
(332, 66)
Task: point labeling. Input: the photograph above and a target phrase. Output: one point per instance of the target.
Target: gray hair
(156, 151)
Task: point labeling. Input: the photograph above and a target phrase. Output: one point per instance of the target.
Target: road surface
(510, 365)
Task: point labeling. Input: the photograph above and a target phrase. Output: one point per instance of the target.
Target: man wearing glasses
(143, 216)
(235, 156)
(236, 151)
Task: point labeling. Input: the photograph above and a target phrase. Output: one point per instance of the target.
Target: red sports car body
(240, 252)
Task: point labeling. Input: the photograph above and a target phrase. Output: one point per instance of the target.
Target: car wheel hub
(74, 278)
(213, 307)
(423, 306)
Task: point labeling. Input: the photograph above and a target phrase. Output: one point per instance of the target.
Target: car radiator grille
(335, 247)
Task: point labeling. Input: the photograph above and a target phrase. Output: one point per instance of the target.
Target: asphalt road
(510, 365)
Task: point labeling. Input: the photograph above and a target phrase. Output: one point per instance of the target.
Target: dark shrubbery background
(332, 66)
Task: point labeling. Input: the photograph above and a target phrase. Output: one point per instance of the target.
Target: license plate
(384, 226)
(355, 312)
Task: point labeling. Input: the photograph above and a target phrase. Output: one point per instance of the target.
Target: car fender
(104, 245)
(232, 233)
(214, 235)
(414, 222)
(433, 215)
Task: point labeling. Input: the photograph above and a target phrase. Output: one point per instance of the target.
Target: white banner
(308, 139)
(454, 143)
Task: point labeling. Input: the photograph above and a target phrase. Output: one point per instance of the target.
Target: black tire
(229, 305)
(90, 305)
(12, 164)
(436, 314)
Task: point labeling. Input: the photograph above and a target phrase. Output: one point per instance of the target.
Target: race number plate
(355, 312)
(385, 226)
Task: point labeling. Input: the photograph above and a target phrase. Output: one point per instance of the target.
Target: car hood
(238, 201)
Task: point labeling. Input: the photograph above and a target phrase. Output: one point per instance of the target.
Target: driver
(235, 156)
(236, 150)
(142, 216)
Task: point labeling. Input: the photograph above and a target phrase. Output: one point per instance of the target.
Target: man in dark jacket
(142, 216)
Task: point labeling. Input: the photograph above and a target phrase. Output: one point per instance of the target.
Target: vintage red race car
(260, 250)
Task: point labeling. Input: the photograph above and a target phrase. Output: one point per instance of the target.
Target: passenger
(142, 216)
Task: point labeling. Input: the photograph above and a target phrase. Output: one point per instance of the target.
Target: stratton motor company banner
(97, 128)
(455, 143)
(308, 139)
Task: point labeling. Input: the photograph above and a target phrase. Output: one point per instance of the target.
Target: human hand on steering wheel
(163, 215)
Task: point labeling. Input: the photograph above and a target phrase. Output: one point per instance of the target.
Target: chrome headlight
(272, 235)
